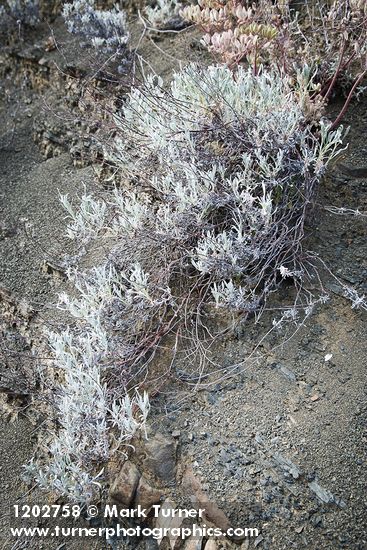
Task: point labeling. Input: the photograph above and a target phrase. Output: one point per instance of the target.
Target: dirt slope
(281, 446)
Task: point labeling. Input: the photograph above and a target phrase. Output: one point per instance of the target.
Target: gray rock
(211, 398)
(322, 494)
(287, 373)
(258, 541)
(325, 496)
(151, 544)
(287, 465)
(161, 458)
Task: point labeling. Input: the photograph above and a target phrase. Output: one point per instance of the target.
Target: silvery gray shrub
(224, 168)
(236, 165)
(162, 13)
(106, 30)
(24, 12)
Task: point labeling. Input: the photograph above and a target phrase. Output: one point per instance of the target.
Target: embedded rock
(171, 522)
(193, 544)
(200, 499)
(146, 495)
(160, 458)
(125, 485)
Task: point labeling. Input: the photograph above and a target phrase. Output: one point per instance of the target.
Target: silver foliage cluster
(235, 166)
(94, 419)
(87, 220)
(106, 30)
(161, 14)
(24, 12)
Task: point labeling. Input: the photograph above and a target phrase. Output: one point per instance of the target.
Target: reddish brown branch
(348, 100)
(337, 72)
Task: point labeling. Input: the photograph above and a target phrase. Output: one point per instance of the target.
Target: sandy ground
(32, 242)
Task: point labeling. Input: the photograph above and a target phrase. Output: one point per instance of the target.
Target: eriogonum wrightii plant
(222, 169)
(88, 220)
(93, 417)
(19, 12)
(106, 30)
(160, 15)
(235, 167)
